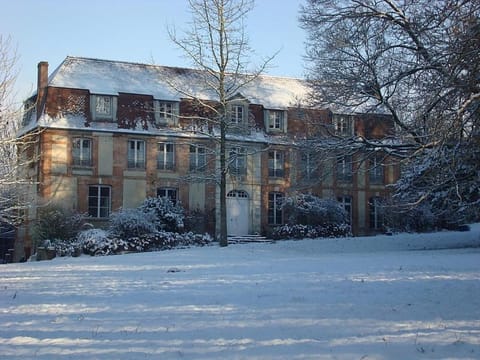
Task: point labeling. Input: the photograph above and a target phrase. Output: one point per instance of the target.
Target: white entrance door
(237, 212)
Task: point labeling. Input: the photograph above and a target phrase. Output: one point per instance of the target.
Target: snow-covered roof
(113, 77)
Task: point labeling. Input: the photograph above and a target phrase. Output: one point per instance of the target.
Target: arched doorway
(237, 212)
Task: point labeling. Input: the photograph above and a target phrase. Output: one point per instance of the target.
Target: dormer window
(103, 107)
(166, 112)
(276, 120)
(343, 125)
(237, 114)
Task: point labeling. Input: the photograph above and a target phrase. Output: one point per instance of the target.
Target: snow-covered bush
(308, 209)
(127, 223)
(100, 242)
(169, 216)
(308, 216)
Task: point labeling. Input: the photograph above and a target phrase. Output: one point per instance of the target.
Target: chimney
(42, 83)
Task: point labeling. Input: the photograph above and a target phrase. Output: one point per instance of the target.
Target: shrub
(309, 216)
(127, 223)
(308, 209)
(169, 217)
(56, 224)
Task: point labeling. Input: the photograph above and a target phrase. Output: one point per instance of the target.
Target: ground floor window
(99, 201)
(170, 193)
(346, 202)
(275, 210)
(376, 213)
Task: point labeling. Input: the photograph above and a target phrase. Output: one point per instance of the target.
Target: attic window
(166, 112)
(103, 107)
(276, 120)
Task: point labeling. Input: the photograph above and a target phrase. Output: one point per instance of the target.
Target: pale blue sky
(135, 30)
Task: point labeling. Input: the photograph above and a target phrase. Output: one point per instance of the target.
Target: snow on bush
(126, 223)
(169, 216)
(101, 242)
(308, 216)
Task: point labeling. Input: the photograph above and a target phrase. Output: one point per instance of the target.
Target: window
(170, 193)
(309, 166)
(82, 152)
(237, 161)
(166, 112)
(376, 170)
(275, 208)
(136, 154)
(166, 156)
(198, 159)
(344, 168)
(103, 107)
(276, 120)
(99, 201)
(276, 163)
(343, 125)
(237, 114)
(346, 202)
(376, 213)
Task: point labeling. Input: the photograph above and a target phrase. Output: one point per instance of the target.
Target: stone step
(242, 239)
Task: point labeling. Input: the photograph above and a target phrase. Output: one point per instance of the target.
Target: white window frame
(376, 170)
(275, 208)
(81, 154)
(198, 158)
(276, 120)
(98, 102)
(136, 157)
(276, 163)
(346, 202)
(164, 160)
(345, 168)
(375, 213)
(309, 165)
(237, 114)
(166, 112)
(97, 206)
(237, 161)
(169, 191)
(343, 125)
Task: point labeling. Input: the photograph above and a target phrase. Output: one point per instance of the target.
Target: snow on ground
(360, 298)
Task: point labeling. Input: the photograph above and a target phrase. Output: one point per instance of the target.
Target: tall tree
(416, 60)
(217, 45)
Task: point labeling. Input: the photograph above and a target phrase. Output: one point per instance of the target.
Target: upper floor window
(276, 120)
(276, 163)
(376, 170)
(198, 158)
(275, 208)
(166, 112)
(169, 193)
(166, 156)
(103, 107)
(82, 152)
(343, 125)
(237, 164)
(136, 154)
(99, 201)
(309, 166)
(344, 168)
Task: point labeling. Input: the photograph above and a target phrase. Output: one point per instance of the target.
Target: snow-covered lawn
(362, 298)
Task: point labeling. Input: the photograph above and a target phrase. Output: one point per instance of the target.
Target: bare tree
(13, 146)
(414, 60)
(217, 45)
